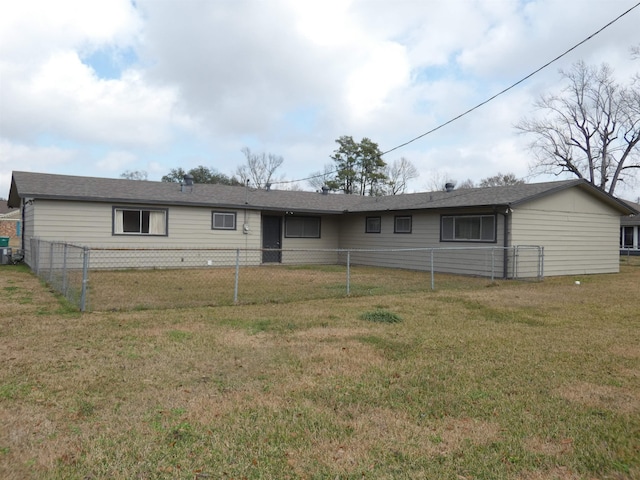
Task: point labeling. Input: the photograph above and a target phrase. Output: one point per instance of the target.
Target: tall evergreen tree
(360, 168)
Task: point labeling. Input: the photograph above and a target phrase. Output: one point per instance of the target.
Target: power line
(513, 85)
(442, 125)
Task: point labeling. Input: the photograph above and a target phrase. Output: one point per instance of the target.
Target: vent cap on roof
(187, 183)
(448, 187)
(325, 190)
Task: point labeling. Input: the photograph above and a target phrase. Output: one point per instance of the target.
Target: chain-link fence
(64, 267)
(125, 279)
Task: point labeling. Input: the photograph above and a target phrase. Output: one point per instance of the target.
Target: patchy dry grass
(518, 381)
(171, 288)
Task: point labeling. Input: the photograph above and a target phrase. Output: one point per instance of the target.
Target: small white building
(630, 232)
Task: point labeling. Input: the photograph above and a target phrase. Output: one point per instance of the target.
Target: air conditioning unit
(5, 256)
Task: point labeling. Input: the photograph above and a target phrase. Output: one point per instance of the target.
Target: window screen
(468, 228)
(302, 227)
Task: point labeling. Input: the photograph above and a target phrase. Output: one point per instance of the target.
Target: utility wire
(442, 125)
(513, 85)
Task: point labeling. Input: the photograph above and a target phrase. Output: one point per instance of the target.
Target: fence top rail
(338, 250)
(59, 242)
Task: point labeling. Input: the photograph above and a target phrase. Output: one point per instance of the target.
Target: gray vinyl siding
(189, 228)
(297, 250)
(467, 258)
(580, 235)
(91, 224)
(424, 229)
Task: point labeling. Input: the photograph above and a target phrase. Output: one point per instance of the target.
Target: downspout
(22, 226)
(505, 243)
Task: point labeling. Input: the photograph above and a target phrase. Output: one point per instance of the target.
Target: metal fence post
(348, 272)
(35, 255)
(50, 261)
(493, 264)
(433, 279)
(64, 269)
(235, 288)
(85, 278)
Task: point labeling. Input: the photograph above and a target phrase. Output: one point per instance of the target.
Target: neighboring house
(575, 222)
(10, 224)
(630, 232)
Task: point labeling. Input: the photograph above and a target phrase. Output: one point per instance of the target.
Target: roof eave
(619, 205)
(129, 201)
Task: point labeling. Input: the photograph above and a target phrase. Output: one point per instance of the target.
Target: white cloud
(369, 86)
(15, 156)
(116, 162)
(65, 98)
(288, 77)
(31, 30)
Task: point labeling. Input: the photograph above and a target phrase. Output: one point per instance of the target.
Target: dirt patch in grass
(602, 396)
(626, 351)
(549, 447)
(556, 473)
(395, 435)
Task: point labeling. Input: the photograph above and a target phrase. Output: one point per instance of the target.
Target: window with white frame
(468, 228)
(139, 221)
(402, 224)
(223, 221)
(302, 227)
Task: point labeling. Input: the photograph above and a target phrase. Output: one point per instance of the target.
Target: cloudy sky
(97, 87)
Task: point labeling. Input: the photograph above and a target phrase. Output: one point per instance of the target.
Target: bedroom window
(468, 228)
(627, 237)
(223, 221)
(302, 227)
(138, 221)
(373, 225)
(402, 224)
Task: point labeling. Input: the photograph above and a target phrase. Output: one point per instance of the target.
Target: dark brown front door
(271, 239)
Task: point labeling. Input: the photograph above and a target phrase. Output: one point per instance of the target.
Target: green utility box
(4, 241)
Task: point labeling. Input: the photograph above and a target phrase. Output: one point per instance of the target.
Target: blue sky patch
(109, 63)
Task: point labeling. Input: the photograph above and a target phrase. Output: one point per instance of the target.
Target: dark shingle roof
(4, 208)
(633, 219)
(66, 187)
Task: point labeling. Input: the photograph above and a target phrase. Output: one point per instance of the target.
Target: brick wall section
(8, 229)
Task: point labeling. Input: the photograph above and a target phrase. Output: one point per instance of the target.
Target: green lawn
(509, 380)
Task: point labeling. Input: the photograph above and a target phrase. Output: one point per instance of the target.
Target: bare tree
(317, 180)
(399, 173)
(134, 175)
(591, 129)
(468, 183)
(500, 180)
(259, 169)
(438, 180)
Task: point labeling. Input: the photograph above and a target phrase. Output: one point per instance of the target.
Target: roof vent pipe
(448, 187)
(325, 190)
(267, 186)
(187, 183)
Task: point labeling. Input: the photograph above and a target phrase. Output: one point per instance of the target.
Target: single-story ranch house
(577, 224)
(630, 232)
